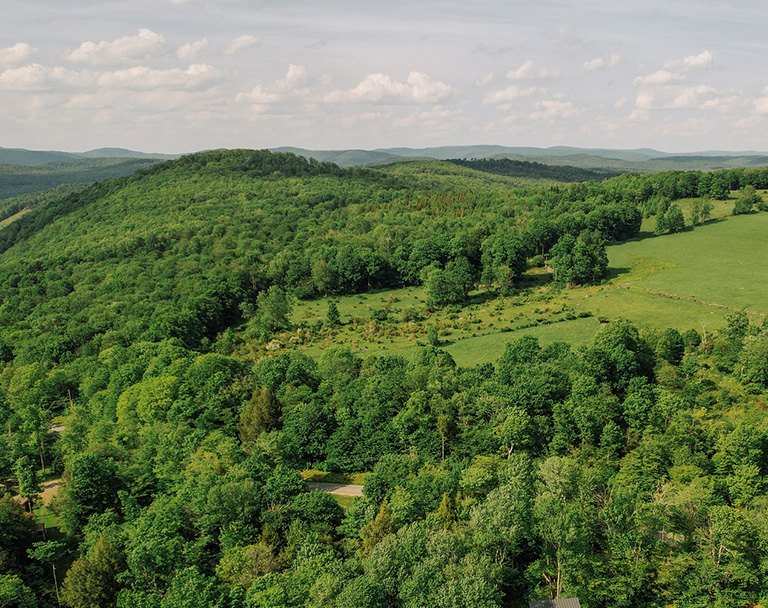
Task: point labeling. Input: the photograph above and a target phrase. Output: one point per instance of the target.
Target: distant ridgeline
(524, 168)
(16, 180)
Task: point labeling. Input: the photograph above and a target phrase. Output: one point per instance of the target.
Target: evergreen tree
(332, 317)
(261, 414)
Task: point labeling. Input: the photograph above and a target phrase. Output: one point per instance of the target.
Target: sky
(178, 76)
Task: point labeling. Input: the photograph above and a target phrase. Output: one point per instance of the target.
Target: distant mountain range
(20, 156)
(642, 160)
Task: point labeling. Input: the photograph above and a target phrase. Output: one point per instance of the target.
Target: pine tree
(332, 317)
(262, 413)
(375, 531)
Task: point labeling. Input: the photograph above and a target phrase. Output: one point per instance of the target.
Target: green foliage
(16, 180)
(274, 309)
(261, 414)
(627, 472)
(92, 580)
(748, 199)
(522, 168)
(577, 261)
(332, 317)
(91, 488)
(14, 593)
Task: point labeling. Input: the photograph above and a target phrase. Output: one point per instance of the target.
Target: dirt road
(336, 488)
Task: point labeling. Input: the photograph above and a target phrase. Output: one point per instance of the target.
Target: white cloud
(144, 46)
(678, 97)
(598, 63)
(481, 82)
(530, 70)
(594, 64)
(19, 53)
(658, 77)
(509, 94)
(418, 88)
(295, 78)
(761, 103)
(195, 77)
(297, 83)
(620, 103)
(241, 43)
(36, 77)
(666, 89)
(548, 109)
(702, 60)
(688, 97)
(426, 90)
(190, 50)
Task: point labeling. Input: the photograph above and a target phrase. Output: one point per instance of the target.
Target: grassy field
(691, 280)
(476, 333)
(723, 262)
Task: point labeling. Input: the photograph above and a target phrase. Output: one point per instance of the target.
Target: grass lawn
(489, 347)
(355, 479)
(475, 333)
(345, 502)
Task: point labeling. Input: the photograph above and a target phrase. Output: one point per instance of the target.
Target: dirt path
(343, 489)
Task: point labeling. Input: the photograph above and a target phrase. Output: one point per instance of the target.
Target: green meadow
(724, 262)
(691, 280)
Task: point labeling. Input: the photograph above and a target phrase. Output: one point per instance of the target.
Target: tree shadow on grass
(614, 272)
(481, 297)
(535, 280)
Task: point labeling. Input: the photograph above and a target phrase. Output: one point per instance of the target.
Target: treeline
(13, 205)
(184, 248)
(524, 168)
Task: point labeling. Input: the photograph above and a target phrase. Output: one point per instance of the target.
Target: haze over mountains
(27, 171)
(643, 160)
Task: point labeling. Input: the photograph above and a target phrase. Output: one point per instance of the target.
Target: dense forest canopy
(523, 168)
(136, 318)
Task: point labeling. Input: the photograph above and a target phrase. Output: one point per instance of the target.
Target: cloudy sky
(185, 75)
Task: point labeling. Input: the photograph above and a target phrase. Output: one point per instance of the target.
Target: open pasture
(475, 333)
(722, 263)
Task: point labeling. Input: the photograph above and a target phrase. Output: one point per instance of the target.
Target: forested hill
(186, 245)
(16, 180)
(151, 364)
(522, 168)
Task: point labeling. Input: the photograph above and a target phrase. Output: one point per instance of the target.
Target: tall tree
(260, 414)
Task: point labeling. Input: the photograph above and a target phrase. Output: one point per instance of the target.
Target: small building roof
(564, 602)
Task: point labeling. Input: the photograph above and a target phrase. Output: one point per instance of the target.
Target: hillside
(21, 156)
(181, 347)
(20, 179)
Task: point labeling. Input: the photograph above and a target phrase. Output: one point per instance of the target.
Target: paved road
(336, 488)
